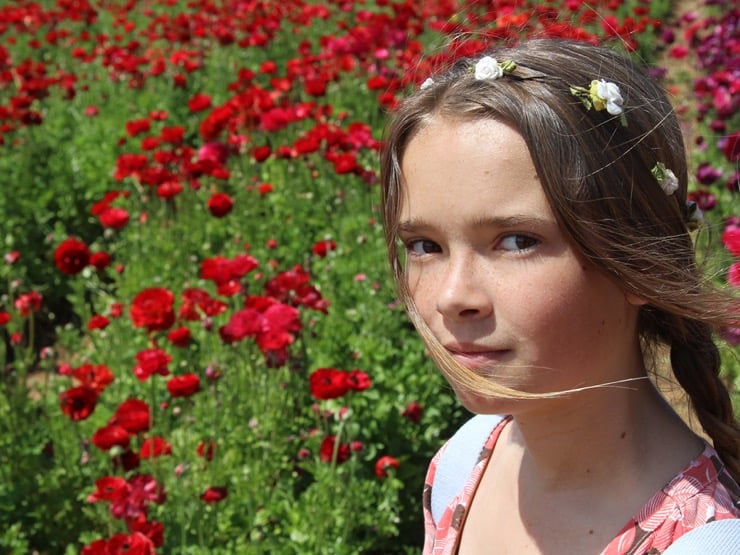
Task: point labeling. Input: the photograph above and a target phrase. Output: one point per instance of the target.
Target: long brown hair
(597, 175)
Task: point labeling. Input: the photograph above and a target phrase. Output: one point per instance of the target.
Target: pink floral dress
(702, 492)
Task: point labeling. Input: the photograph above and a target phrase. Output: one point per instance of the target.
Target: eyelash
(531, 243)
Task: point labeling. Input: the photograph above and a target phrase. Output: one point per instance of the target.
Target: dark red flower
(109, 488)
(329, 383)
(133, 415)
(199, 102)
(135, 543)
(137, 127)
(183, 386)
(383, 464)
(214, 494)
(206, 449)
(100, 260)
(220, 204)
(114, 218)
(243, 323)
(71, 256)
(96, 376)
(97, 322)
(413, 412)
(4, 317)
(151, 361)
(155, 447)
(358, 380)
(153, 309)
(322, 248)
(26, 303)
(328, 447)
(109, 436)
(179, 337)
(152, 529)
(78, 402)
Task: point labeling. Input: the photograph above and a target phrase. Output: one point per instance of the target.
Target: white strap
(458, 460)
(720, 537)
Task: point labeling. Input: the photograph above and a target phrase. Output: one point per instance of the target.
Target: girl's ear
(634, 300)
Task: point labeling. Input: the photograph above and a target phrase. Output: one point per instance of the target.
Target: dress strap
(457, 461)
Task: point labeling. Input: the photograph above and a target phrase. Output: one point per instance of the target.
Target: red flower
(179, 337)
(731, 240)
(153, 309)
(132, 415)
(262, 153)
(358, 380)
(97, 322)
(155, 447)
(214, 494)
(78, 402)
(26, 303)
(136, 127)
(98, 377)
(135, 543)
(220, 204)
(383, 464)
(71, 256)
(328, 445)
(100, 260)
(183, 386)
(109, 488)
(109, 436)
(4, 317)
(243, 323)
(328, 383)
(151, 361)
(114, 218)
(322, 248)
(413, 412)
(199, 102)
(206, 449)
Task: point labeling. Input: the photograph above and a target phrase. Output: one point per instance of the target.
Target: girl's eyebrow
(488, 222)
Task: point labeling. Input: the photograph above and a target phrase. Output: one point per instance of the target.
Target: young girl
(539, 197)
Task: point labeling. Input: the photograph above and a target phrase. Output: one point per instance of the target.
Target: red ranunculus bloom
(214, 494)
(71, 256)
(199, 102)
(179, 337)
(133, 415)
(731, 240)
(4, 317)
(358, 380)
(328, 383)
(97, 322)
(383, 464)
(26, 303)
(100, 260)
(153, 309)
(328, 445)
(109, 436)
(206, 448)
(155, 447)
(114, 218)
(413, 412)
(78, 402)
(151, 361)
(243, 323)
(183, 386)
(322, 248)
(110, 488)
(96, 376)
(220, 204)
(135, 543)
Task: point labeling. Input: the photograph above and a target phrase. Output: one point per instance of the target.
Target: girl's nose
(463, 295)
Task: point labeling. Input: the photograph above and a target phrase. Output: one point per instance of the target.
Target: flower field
(202, 348)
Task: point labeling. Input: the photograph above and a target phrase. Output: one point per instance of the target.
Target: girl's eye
(422, 246)
(516, 242)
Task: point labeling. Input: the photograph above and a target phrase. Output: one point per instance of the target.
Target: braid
(696, 363)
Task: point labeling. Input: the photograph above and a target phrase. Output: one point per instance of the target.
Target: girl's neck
(603, 437)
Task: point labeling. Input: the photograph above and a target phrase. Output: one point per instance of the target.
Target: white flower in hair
(428, 82)
(665, 178)
(606, 95)
(488, 68)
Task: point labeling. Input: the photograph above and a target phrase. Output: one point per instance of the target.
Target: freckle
(624, 435)
(588, 471)
(590, 531)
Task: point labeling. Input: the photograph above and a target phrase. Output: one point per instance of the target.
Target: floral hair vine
(601, 95)
(490, 68)
(665, 178)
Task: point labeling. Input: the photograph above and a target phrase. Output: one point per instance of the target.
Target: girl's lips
(475, 360)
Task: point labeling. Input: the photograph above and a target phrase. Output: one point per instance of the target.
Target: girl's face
(492, 275)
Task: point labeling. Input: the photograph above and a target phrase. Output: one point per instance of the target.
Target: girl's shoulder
(703, 492)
